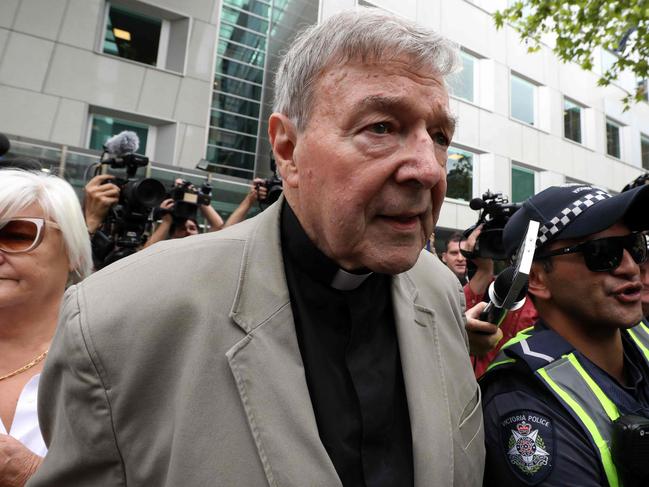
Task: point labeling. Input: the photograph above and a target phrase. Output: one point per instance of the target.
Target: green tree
(580, 26)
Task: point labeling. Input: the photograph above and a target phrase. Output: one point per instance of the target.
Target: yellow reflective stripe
(607, 404)
(501, 362)
(644, 327)
(602, 446)
(639, 343)
(521, 335)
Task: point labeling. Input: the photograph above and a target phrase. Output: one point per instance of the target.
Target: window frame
(474, 158)
(582, 109)
(535, 99)
(170, 21)
(151, 130)
(464, 53)
(644, 138)
(526, 169)
(614, 123)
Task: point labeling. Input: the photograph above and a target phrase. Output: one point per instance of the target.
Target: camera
(187, 197)
(272, 184)
(123, 229)
(274, 189)
(495, 211)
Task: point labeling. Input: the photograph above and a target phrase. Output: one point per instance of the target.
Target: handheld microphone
(496, 311)
(507, 292)
(124, 143)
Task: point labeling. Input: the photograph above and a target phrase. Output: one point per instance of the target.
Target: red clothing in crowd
(515, 321)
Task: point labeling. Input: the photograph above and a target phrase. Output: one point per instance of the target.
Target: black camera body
(274, 189)
(630, 448)
(495, 210)
(124, 226)
(187, 197)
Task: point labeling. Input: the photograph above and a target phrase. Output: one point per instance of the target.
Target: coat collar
(269, 372)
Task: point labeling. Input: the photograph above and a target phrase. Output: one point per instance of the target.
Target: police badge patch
(527, 439)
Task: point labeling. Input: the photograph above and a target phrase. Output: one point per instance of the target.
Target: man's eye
(441, 139)
(380, 128)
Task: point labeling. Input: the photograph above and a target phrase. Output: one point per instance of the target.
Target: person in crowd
(484, 351)
(311, 344)
(454, 259)
(553, 395)
(43, 246)
(173, 227)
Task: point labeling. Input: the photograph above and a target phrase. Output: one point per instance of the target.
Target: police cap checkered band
(574, 211)
(568, 214)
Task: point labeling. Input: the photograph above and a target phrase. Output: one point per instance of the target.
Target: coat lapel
(268, 369)
(424, 377)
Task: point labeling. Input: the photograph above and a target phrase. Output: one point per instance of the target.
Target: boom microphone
(124, 143)
(476, 204)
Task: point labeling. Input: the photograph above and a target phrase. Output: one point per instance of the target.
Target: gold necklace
(26, 366)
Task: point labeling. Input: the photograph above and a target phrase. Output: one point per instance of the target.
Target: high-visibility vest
(562, 373)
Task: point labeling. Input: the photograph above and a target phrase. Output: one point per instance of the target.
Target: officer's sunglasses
(605, 254)
(22, 234)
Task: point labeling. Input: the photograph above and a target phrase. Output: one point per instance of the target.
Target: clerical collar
(310, 259)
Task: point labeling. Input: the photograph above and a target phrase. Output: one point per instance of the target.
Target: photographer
(174, 227)
(100, 195)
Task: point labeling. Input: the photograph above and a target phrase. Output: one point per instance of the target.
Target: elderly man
(565, 398)
(311, 345)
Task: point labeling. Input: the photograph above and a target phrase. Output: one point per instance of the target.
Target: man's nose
(420, 165)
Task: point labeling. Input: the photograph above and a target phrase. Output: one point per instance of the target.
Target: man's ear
(283, 137)
(443, 257)
(537, 284)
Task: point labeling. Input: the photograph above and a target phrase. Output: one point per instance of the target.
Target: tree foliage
(580, 26)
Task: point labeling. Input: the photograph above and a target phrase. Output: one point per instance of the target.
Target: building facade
(193, 78)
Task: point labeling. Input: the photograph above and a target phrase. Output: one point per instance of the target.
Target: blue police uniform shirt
(520, 410)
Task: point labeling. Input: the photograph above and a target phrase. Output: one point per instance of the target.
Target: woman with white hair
(44, 246)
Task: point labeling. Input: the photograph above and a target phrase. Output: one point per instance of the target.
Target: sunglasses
(22, 234)
(605, 254)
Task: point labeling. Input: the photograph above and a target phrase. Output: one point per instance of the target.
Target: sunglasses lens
(637, 247)
(603, 254)
(17, 235)
(606, 254)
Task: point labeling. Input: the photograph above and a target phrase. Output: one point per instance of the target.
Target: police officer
(553, 395)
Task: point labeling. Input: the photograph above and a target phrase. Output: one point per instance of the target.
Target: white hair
(366, 34)
(20, 189)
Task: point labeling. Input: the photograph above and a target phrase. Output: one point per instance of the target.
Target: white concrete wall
(52, 75)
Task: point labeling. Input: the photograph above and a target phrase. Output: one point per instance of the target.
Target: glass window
(238, 70)
(103, 128)
(240, 106)
(522, 99)
(571, 120)
(237, 86)
(462, 84)
(459, 174)
(523, 182)
(132, 36)
(234, 122)
(244, 19)
(644, 149)
(255, 6)
(242, 53)
(612, 139)
(232, 162)
(233, 140)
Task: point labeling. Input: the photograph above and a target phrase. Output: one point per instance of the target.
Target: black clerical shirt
(351, 360)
